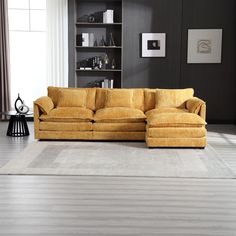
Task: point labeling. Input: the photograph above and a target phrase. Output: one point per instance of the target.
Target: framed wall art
(153, 45)
(204, 45)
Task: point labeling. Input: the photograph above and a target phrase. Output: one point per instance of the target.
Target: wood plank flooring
(115, 206)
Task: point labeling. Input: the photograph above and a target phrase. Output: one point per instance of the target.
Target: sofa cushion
(119, 114)
(45, 104)
(65, 126)
(176, 132)
(119, 98)
(165, 110)
(90, 98)
(149, 99)
(72, 98)
(68, 114)
(119, 127)
(175, 120)
(173, 97)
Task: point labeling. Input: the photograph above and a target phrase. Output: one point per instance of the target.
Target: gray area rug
(116, 159)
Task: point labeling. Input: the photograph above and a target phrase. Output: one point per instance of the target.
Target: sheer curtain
(4, 58)
(57, 43)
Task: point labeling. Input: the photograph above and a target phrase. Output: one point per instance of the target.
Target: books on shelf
(108, 16)
(85, 40)
(107, 83)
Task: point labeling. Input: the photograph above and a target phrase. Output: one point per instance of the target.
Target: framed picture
(204, 45)
(153, 45)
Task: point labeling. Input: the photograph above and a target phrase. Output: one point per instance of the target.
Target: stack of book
(107, 83)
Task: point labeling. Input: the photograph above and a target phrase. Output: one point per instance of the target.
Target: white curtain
(57, 43)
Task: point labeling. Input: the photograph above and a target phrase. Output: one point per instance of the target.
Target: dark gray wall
(215, 83)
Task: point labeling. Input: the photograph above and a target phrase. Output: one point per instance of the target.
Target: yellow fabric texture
(90, 98)
(65, 126)
(119, 98)
(119, 114)
(119, 127)
(45, 104)
(129, 135)
(194, 105)
(68, 114)
(165, 110)
(68, 135)
(149, 99)
(175, 120)
(176, 142)
(179, 132)
(173, 97)
(72, 98)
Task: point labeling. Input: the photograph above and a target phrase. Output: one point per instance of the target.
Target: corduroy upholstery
(162, 117)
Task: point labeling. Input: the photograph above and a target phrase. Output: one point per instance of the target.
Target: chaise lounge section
(162, 117)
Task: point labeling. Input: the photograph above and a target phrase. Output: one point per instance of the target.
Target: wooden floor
(112, 206)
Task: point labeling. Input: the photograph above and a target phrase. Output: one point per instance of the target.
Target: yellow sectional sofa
(162, 117)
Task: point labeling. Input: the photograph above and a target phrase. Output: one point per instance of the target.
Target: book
(91, 39)
(85, 39)
(111, 83)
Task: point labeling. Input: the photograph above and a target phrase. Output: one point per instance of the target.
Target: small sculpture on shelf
(20, 106)
(113, 64)
(103, 42)
(111, 41)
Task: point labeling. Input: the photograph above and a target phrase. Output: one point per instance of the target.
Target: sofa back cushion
(175, 98)
(137, 100)
(119, 98)
(53, 93)
(149, 99)
(72, 98)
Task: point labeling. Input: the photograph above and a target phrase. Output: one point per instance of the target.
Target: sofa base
(177, 142)
(90, 135)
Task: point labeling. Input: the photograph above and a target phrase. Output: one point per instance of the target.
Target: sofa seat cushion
(68, 114)
(175, 120)
(65, 126)
(119, 127)
(165, 110)
(119, 115)
(176, 132)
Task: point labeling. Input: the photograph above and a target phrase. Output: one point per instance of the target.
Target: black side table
(17, 126)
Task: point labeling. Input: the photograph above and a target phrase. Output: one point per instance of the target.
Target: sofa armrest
(197, 106)
(45, 104)
(36, 121)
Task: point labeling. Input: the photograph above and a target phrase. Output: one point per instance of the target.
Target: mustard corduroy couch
(162, 117)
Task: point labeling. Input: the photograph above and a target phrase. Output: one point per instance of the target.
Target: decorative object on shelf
(204, 45)
(91, 18)
(111, 41)
(113, 64)
(83, 18)
(103, 42)
(108, 16)
(106, 60)
(153, 45)
(20, 106)
(85, 39)
(95, 43)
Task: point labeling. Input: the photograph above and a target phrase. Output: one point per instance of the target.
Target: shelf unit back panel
(84, 78)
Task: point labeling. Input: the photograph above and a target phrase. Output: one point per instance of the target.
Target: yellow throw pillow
(119, 98)
(175, 98)
(72, 98)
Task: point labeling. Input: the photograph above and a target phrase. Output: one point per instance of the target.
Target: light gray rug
(116, 159)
